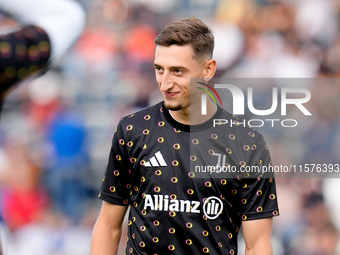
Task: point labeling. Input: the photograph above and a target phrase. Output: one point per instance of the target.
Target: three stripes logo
(204, 97)
(156, 161)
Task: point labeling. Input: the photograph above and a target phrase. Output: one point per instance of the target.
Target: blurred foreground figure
(47, 30)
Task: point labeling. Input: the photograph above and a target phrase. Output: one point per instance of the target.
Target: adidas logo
(156, 160)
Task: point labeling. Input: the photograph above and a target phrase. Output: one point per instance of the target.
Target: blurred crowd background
(56, 131)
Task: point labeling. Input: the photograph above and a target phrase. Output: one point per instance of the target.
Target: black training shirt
(157, 167)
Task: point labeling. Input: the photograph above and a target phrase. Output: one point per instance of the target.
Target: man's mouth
(170, 94)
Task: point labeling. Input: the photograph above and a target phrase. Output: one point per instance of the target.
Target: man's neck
(192, 115)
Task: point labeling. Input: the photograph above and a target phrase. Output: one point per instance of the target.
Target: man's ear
(209, 70)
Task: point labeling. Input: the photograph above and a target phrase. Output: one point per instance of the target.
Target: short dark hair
(188, 31)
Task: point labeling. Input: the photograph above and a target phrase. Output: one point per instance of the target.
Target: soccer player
(48, 29)
(173, 210)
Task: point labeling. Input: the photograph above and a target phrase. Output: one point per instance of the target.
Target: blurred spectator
(64, 177)
(139, 46)
(23, 198)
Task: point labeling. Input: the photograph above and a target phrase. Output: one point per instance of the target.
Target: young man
(173, 211)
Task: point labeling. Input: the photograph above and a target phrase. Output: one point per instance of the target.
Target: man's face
(174, 67)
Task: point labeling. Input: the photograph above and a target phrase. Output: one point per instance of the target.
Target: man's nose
(167, 81)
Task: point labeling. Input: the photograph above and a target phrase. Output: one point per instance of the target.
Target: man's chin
(173, 107)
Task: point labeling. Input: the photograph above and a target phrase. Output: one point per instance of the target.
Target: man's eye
(178, 71)
(158, 69)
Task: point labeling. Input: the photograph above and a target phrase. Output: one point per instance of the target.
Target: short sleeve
(116, 183)
(258, 196)
(23, 52)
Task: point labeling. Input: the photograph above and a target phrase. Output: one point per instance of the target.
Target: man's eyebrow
(179, 67)
(172, 67)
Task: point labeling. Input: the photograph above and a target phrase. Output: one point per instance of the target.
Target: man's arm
(257, 236)
(107, 230)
